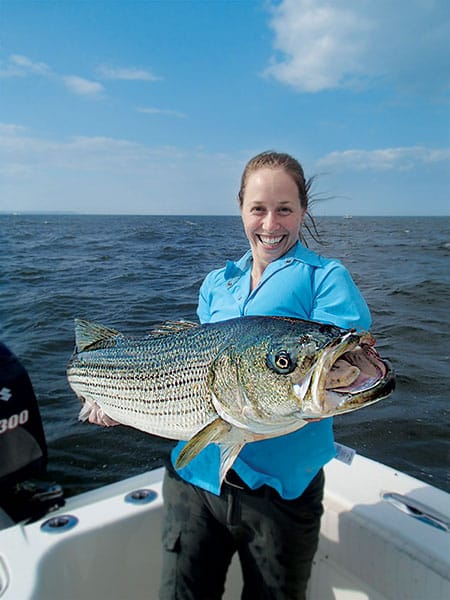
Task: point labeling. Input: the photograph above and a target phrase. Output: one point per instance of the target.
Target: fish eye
(281, 362)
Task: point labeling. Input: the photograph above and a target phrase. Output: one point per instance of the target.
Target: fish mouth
(349, 374)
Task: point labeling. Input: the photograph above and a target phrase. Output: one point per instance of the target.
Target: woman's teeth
(270, 241)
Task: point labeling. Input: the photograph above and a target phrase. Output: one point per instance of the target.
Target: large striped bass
(228, 383)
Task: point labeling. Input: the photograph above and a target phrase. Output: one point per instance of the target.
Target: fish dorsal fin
(173, 327)
(88, 335)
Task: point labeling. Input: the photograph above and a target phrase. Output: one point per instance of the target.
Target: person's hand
(98, 417)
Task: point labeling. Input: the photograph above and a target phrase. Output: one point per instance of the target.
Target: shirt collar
(298, 253)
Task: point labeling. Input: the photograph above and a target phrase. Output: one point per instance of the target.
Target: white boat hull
(369, 549)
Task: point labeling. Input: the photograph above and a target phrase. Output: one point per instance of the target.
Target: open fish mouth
(348, 374)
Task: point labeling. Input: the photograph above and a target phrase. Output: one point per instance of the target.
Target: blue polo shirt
(300, 284)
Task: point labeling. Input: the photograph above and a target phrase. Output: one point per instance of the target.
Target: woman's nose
(270, 222)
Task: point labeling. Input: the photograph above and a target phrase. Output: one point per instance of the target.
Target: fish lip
(375, 381)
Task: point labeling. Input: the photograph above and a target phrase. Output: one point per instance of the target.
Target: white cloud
(81, 86)
(126, 74)
(10, 129)
(323, 45)
(167, 112)
(78, 154)
(107, 175)
(18, 65)
(399, 159)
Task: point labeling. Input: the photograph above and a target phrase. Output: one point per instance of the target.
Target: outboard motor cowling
(23, 449)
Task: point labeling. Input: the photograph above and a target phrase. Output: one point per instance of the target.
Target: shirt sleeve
(337, 300)
(203, 308)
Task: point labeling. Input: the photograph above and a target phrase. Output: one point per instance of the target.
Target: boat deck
(383, 537)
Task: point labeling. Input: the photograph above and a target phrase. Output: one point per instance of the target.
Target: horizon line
(93, 214)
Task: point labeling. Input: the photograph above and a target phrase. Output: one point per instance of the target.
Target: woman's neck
(256, 274)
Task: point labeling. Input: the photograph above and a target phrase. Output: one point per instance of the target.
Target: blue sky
(155, 107)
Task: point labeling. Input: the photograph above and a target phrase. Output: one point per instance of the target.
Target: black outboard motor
(23, 449)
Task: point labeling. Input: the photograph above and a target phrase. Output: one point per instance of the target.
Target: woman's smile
(270, 241)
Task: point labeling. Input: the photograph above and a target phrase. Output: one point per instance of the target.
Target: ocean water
(132, 272)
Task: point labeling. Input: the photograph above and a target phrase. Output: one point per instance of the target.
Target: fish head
(332, 371)
(347, 375)
(296, 370)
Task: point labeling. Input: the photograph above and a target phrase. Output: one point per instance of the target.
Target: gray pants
(276, 539)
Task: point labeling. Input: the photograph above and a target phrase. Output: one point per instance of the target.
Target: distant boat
(348, 216)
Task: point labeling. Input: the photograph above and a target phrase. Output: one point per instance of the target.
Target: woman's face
(271, 214)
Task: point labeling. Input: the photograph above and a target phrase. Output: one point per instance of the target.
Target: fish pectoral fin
(230, 439)
(88, 335)
(214, 432)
